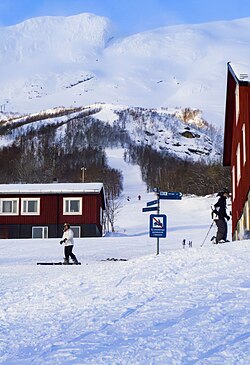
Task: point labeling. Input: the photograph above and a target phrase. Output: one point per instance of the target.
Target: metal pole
(158, 212)
(207, 233)
(83, 174)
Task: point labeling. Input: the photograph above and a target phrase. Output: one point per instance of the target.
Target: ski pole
(207, 234)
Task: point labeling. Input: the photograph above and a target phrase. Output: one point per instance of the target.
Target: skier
(219, 209)
(184, 243)
(68, 241)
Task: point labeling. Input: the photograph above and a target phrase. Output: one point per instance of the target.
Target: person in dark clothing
(221, 217)
(184, 243)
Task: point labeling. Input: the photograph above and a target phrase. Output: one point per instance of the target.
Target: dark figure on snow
(221, 217)
(68, 241)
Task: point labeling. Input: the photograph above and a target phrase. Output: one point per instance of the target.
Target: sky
(129, 16)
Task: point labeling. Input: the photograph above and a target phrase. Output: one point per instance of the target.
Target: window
(238, 163)
(233, 181)
(247, 215)
(244, 143)
(101, 216)
(8, 206)
(30, 206)
(76, 230)
(72, 206)
(237, 103)
(39, 232)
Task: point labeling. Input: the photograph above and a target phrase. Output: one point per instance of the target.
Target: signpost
(158, 225)
(158, 228)
(153, 202)
(150, 209)
(158, 222)
(170, 195)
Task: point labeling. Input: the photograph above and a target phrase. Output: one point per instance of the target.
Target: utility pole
(83, 173)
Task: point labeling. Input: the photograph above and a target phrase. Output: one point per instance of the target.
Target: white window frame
(238, 166)
(101, 216)
(74, 229)
(237, 103)
(247, 215)
(23, 200)
(13, 200)
(233, 181)
(45, 232)
(68, 199)
(244, 144)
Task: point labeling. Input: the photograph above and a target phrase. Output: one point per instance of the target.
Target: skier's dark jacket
(220, 208)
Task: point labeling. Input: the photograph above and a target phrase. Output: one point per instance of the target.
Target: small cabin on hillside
(40, 210)
(237, 147)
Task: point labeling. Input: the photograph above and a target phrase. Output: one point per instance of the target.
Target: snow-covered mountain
(176, 132)
(75, 61)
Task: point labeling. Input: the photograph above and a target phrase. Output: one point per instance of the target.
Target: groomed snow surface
(184, 306)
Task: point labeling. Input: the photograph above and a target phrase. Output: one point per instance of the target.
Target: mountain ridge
(180, 133)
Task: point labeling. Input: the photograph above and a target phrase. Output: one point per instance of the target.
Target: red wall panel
(243, 186)
(51, 210)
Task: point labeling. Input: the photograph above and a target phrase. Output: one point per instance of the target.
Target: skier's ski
(58, 263)
(114, 259)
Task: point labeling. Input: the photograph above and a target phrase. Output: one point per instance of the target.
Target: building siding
(237, 152)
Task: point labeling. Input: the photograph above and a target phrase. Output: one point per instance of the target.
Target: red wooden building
(40, 210)
(237, 147)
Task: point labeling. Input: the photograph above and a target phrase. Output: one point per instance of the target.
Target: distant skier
(139, 197)
(184, 243)
(68, 241)
(219, 210)
(190, 244)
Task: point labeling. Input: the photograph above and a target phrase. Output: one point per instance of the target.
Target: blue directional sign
(171, 195)
(158, 225)
(149, 209)
(153, 202)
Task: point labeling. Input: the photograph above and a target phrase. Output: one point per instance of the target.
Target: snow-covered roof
(54, 188)
(241, 71)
